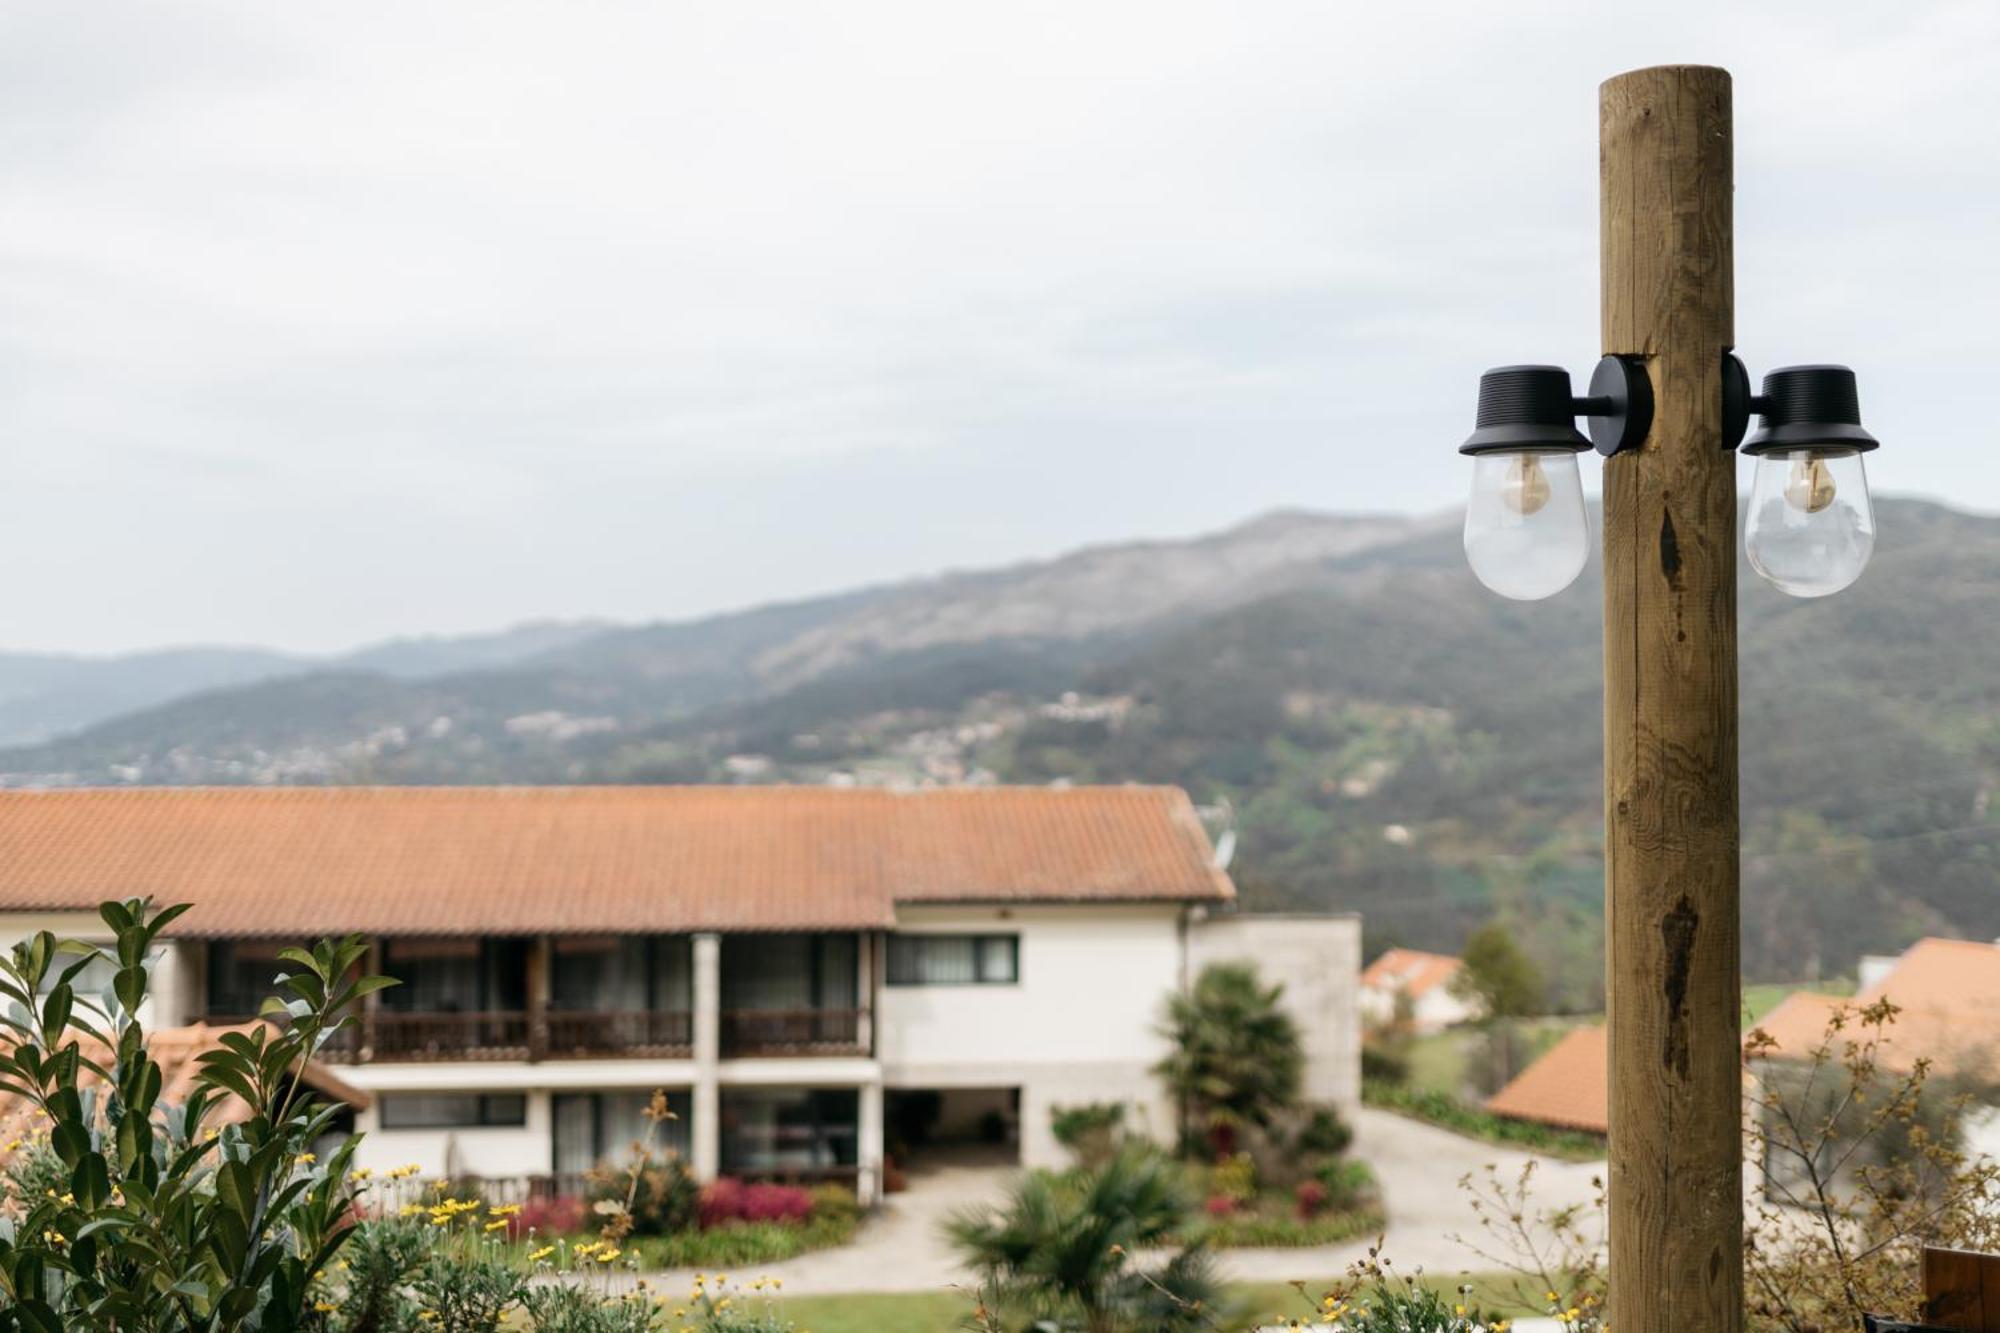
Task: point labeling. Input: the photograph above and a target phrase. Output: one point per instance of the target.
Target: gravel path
(899, 1247)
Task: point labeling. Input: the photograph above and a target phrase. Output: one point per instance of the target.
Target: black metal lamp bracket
(1738, 403)
(1619, 404)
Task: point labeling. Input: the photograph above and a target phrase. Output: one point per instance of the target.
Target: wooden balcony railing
(387, 1036)
(751, 1032)
(481, 1036)
(583, 1035)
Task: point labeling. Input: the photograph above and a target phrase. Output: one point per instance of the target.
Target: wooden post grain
(1670, 820)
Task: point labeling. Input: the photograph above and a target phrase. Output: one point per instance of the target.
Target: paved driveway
(899, 1247)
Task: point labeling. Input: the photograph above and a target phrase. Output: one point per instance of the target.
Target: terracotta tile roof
(497, 860)
(1410, 971)
(177, 1051)
(1948, 992)
(1568, 1087)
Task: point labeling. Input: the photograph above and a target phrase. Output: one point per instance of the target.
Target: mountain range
(1380, 732)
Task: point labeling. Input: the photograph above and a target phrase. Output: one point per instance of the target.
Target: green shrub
(1234, 1178)
(664, 1195)
(1348, 1184)
(1280, 1228)
(835, 1206)
(35, 1172)
(1091, 1131)
(743, 1244)
(1324, 1133)
(381, 1258)
(1065, 1248)
(1380, 1064)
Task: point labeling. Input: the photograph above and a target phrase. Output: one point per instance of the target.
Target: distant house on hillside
(1415, 987)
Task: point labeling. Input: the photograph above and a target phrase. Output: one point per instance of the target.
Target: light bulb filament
(1527, 488)
(1810, 486)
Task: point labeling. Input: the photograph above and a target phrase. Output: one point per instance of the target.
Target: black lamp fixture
(1811, 527)
(1526, 536)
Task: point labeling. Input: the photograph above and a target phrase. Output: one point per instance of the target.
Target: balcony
(583, 998)
(643, 1033)
(766, 1032)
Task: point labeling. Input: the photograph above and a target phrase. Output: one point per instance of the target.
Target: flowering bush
(1311, 1196)
(730, 1200)
(558, 1215)
(1218, 1205)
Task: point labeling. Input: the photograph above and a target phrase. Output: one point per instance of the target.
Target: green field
(941, 1312)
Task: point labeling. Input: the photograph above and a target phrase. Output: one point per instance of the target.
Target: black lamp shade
(1524, 408)
(1810, 407)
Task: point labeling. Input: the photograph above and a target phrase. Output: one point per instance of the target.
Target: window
(242, 974)
(622, 974)
(776, 973)
(456, 976)
(954, 960)
(601, 1129)
(453, 1110)
(769, 1129)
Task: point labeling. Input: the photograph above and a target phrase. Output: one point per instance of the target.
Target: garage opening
(935, 1128)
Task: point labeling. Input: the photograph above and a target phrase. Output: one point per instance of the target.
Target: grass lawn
(1762, 998)
(943, 1311)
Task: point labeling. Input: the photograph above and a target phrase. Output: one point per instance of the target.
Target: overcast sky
(325, 322)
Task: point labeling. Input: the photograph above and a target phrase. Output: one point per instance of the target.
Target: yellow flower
(307, 1159)
(325, 1307)
(541, 1254)
(498, 1224)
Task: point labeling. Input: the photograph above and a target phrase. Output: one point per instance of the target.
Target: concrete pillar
(170, 999)
(705, 1134)
(868, 1181)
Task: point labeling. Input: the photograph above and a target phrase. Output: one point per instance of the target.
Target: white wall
(522, 1150)
(1318, 958)
(1078, 1026)
(168, 992)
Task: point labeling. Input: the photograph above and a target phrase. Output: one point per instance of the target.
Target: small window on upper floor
(453, 1110)
(954, 960)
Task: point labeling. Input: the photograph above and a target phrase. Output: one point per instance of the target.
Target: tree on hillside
(1236, 1058)
(1508, 986)
(1499, 975)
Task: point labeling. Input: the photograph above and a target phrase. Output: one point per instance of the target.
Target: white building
(812, 975)
(1415, 988)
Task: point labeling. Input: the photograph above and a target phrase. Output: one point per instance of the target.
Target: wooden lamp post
(1668, 406)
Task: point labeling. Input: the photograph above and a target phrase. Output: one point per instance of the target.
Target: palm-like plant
(1235, 1056)
(1061, 1248)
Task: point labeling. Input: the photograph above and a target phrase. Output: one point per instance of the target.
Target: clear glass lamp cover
(1811, 527)
(1526, 536)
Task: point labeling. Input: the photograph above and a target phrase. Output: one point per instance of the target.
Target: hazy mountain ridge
(1383, 733)
(47, 695)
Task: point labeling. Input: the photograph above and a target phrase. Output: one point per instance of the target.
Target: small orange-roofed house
(1414, 988)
